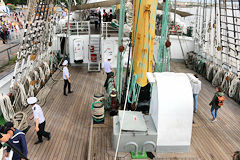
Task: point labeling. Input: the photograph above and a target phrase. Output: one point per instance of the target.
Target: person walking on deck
(196, 87)
(39, 120)
(216, 103)
(66, 78)
(108, 70)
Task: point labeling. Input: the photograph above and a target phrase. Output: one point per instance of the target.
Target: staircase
(94, 53)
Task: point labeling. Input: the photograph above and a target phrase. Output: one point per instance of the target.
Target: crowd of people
(10, 24)
(96, 16)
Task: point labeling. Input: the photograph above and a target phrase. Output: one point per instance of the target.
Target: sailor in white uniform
(39, 120)
(108, 70)
(66, 77)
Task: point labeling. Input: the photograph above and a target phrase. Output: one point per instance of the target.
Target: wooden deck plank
(68, 120)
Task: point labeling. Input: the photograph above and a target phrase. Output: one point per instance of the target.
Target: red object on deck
(94, 57)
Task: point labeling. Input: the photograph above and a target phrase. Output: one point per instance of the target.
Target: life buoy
(175, 28)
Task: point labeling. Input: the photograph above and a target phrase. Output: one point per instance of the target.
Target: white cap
(31, 100)
(65, 63)
(109, 57)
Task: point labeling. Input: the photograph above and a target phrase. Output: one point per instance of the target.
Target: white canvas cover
(78, 49)
(172, 109)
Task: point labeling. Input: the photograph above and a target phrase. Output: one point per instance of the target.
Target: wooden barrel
(97, 111)
(98, 97)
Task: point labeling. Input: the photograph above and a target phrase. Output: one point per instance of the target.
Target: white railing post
(89, 28)
(102, 28)
(106, 29)
(77, 29)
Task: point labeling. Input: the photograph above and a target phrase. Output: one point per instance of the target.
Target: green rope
(162, 51)
(109, 91)
(135, 34)
(132, 90)
(134, 86)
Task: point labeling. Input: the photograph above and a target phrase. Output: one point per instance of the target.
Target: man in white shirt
(39, 120)
(196, 87)
(66, 78)
(108, 70)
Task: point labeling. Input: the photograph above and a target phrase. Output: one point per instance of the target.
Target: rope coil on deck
(6, 107)
(20, 121)
(97, 110)
(218, 78)
(227, 82)
(233, 87)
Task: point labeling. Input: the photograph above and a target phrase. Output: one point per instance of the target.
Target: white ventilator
(78, 49)
(171, 109)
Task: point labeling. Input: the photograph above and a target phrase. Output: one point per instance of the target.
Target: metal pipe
(68, 30)
(119, 58)
(175, 4)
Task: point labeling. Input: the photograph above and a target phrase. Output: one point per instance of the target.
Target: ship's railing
(8, 55)
(76, 28)
(109, 30)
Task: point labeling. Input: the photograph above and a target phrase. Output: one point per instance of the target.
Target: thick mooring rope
(6, 107)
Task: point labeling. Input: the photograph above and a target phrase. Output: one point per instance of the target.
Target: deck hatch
(133, 121)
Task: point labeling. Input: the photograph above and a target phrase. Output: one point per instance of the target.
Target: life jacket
(220, 100)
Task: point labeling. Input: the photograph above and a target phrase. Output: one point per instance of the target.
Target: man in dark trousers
(105, 16)
(66, 78)
(110, 16)
(17, 138)
(108, 70)
(39, 120)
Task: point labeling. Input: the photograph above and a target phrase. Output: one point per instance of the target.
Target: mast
(144, 43)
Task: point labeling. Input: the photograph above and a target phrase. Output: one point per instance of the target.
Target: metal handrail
(106, 28)
(78, 27)
(9, 48)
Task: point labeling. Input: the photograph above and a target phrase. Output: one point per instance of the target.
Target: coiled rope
(43, 93)
(210, 72)
(237, 95)
(233, 87)
(20, 120)
(22, 94)
(218, 78)
(227, 82)
(30, 92)
(6, 107)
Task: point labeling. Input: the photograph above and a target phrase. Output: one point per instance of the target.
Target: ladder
(94, 53)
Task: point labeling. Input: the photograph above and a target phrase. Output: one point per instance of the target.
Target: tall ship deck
(69, 120)
(134, 67)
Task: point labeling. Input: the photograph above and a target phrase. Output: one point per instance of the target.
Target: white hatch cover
(133, 121)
